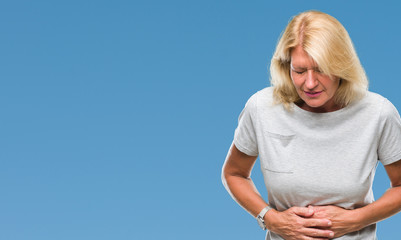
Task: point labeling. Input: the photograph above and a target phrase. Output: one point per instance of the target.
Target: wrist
(357, 219)
(261, 217)
(270, 218)
(361, 217)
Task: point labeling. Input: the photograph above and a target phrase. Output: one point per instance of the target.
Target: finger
(317, 222)
(302, 211)
(319, 233)
(318, 208)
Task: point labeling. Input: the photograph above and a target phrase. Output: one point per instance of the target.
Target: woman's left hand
(343, 221)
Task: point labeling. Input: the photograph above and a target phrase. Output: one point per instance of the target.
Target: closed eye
(298, 72)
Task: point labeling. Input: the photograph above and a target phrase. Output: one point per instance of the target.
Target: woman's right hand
(297, 223)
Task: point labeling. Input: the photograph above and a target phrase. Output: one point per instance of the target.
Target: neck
(323, 109)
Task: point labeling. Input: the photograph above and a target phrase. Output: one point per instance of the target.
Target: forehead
(300, 58)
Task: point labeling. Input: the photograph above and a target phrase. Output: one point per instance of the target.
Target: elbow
(395, 185)
(224, 177)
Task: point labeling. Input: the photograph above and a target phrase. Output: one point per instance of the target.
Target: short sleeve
(245, 135)
(389, 150)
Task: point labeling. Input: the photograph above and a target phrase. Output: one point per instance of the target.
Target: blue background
(116, 116)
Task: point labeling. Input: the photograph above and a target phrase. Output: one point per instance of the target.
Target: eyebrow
(297, 68)
(303, 68)
(293, 68)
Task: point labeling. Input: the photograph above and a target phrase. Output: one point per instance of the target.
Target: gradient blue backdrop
(116, 116)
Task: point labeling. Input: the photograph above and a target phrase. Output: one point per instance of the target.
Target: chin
(314, 104)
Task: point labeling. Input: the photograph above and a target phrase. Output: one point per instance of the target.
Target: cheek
(333, 87)
(296, 83)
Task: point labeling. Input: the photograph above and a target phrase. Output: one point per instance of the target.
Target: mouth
(313, 94)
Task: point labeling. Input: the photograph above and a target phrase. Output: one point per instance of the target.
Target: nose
(311, 80)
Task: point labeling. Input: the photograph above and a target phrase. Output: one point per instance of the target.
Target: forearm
(290, 224)
(388, 205)
(244, 192)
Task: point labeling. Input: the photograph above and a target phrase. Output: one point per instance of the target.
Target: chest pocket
(280, 150)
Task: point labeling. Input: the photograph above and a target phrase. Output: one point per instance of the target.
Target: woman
(319, 135)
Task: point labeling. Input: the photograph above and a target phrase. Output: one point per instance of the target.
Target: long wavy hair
(325, 39)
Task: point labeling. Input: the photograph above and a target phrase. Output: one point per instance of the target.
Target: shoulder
(258, 101)
(262, 97)
(372, 101)
(377, 103)
(372, 98)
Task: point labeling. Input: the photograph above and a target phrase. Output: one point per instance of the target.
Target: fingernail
(331, 234)
(329, 223)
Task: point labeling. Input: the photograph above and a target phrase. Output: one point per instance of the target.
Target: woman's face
(314, 88)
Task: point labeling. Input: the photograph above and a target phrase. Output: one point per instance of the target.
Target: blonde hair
(328, 43)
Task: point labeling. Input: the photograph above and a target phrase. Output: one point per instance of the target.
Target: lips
(313, 94)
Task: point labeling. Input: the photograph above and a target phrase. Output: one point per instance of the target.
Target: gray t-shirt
(320, 158)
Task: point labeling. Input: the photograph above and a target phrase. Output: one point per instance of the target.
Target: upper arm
(394, 173)
(238, 163)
